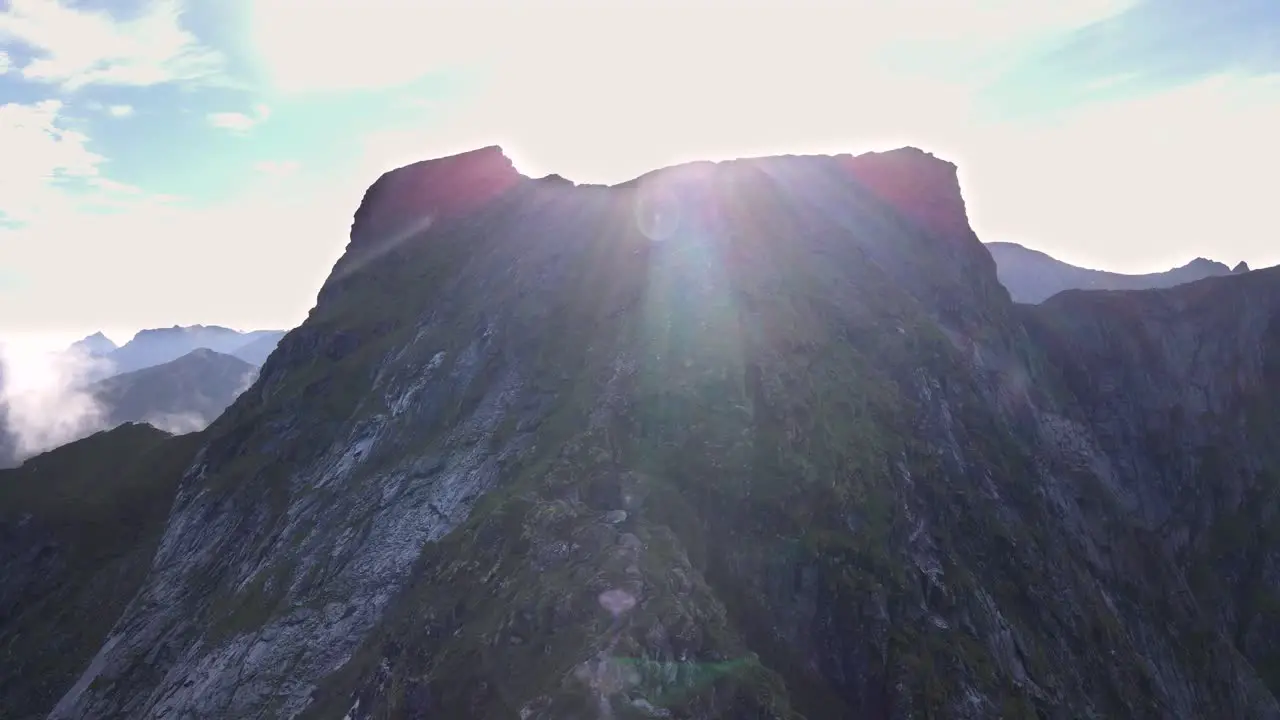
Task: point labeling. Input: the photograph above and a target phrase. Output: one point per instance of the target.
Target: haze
(177, 163)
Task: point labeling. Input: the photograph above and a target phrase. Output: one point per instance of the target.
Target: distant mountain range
(178, 379)
(161, 345)
(96, 345)
(1032, 276)
(180, 396)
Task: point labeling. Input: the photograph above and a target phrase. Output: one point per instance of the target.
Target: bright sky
(166, 162)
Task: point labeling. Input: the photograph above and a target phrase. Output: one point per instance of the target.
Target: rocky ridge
(763, 438)
(1033, 276)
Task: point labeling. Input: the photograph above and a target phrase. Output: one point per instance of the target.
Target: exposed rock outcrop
(762, 438)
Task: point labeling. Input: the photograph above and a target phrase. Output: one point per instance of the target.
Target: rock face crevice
(758, 438)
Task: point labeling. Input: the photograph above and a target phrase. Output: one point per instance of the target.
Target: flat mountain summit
(762, 438)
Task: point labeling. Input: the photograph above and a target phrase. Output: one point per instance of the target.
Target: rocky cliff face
(1180, 389)
(763, 438)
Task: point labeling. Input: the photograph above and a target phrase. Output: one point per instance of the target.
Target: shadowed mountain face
(180, 396)
(1032, 276)
(78, 528)
(755, 439)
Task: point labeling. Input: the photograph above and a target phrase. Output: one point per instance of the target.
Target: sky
(166, 162)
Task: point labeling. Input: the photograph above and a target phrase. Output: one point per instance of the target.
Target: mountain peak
(1203, 263)
(95, 345)
(403, 199)
(1241, 267)
(918, 184)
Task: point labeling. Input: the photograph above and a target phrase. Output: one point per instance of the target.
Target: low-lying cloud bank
(44, 397)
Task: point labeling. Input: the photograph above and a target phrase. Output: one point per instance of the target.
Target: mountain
(754, 439)
(1032, 276)
(179, 396)
(160, 345)
(78, 528)
(95, 345)
(258, 346)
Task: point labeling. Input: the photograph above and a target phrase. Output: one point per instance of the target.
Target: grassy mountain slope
(78, 528)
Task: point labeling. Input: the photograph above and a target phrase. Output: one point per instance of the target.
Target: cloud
(48, 169)
(120, 111)
(277, 168)
(1136, 185)
(1148, 47)
(177, 423)
(77, 47)
(5, 62)
(352, 45)
(238, 122)
(40, 155)
(43, 397)
(69, 281)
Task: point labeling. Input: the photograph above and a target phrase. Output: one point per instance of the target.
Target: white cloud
(602, 93)
(277, 168)
(239, 122)
(1137, 185)
(76, 47)
(120, 111)
(5, 62)
(49, 172)
(40, 153)
(358, 44)
(148, 275)
(43, 397)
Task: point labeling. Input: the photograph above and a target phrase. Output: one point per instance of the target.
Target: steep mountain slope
(756, 439)
(1032, 276)
(78, 528)
(1182, 389)
(180, 396)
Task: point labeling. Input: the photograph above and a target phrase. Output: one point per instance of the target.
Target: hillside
(78, 528)
(179, 396)
(754, 439)
(1032, 276)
